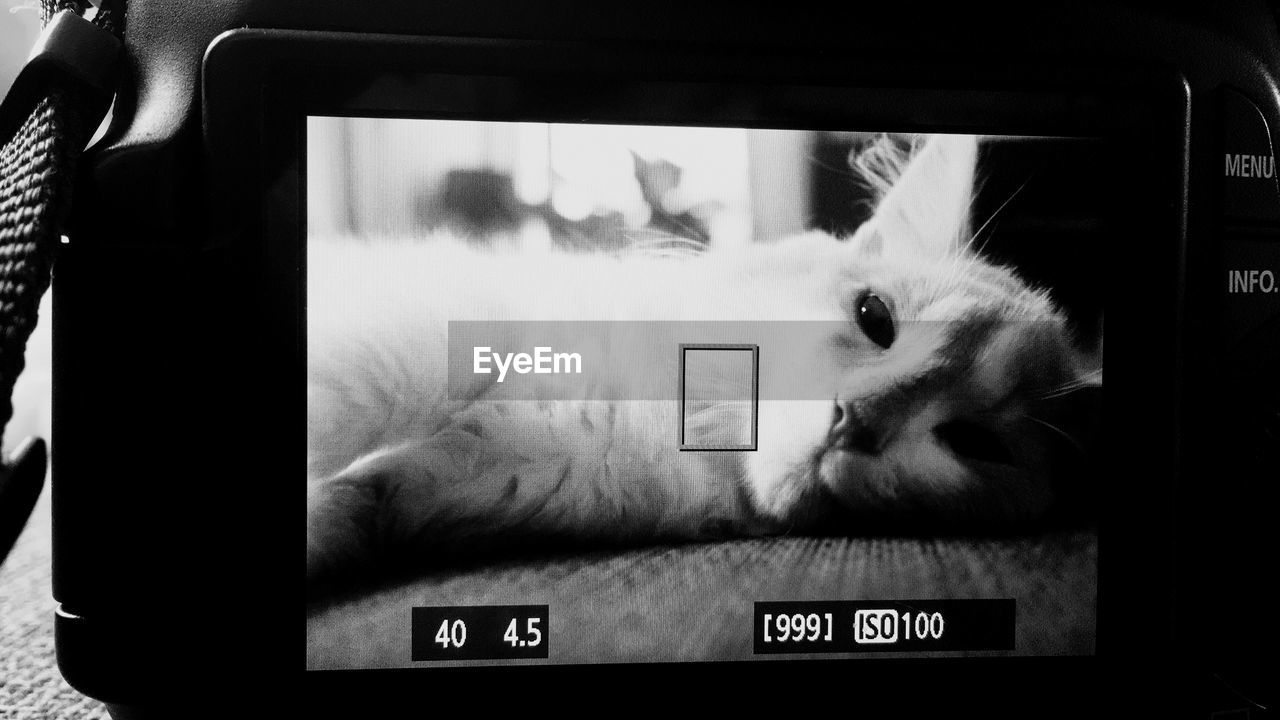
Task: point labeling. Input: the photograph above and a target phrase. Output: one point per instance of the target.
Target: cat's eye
(875, 320)
(972, 441)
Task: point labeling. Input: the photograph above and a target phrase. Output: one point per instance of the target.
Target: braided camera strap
(37, 167)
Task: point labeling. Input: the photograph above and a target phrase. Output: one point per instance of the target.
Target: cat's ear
(925, 211)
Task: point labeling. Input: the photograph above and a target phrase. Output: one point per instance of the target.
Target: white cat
(936, 371)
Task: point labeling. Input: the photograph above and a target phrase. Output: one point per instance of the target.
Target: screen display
(584, 393)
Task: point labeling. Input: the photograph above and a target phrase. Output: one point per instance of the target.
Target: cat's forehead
(953, 289)
(985, 290)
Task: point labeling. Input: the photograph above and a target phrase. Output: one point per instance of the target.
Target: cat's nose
(849, 432)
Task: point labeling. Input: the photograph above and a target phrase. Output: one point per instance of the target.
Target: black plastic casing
(178, 393)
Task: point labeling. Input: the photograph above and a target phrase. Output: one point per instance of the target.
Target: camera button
(1249, 184)
(1251, 285)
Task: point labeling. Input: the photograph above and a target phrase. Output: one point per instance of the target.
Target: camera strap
(56, 102)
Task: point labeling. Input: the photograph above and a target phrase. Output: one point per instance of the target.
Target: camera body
(179, 349)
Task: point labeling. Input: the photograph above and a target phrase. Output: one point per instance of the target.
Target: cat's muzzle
(850, 432)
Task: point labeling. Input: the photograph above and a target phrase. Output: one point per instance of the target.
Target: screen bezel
(259, 86)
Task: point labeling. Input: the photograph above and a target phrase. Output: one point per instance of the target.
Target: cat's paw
(342, 530)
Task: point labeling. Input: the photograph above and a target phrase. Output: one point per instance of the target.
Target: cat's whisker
(1060, 392)
(990, 218)
(1063, 392)
(1071, 440)
(1083, 382)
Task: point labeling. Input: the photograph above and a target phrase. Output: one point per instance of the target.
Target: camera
(696, 348)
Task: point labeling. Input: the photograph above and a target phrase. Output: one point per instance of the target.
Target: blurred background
(577, 186)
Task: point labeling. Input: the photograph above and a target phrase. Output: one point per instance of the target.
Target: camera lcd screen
(609, 393)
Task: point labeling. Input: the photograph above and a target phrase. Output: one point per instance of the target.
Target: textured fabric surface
(31, 688)
(694, 602)
(35, 178)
